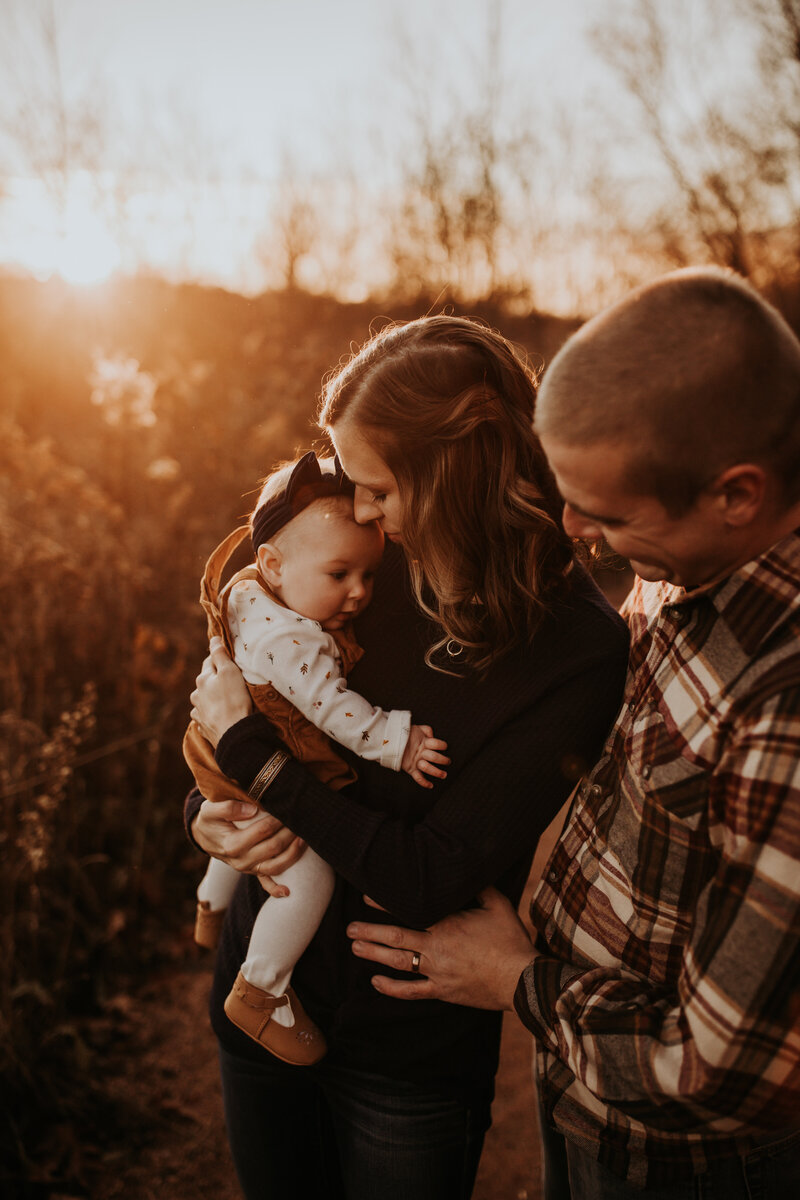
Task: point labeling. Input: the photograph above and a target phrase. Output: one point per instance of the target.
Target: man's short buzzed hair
(695, 372)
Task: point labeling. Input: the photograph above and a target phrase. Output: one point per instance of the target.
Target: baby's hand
(422, 752)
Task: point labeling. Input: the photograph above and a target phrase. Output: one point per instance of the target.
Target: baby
(286, 621)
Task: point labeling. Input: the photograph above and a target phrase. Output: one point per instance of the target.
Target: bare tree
(53, 133)
(731, 155)
(295, 221)
(464, 180)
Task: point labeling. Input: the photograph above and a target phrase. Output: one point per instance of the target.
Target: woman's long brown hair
(448, 404)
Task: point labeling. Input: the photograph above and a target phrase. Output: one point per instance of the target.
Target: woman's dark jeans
(340, 1134)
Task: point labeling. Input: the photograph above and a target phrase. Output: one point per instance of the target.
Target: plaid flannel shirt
(666, 1002)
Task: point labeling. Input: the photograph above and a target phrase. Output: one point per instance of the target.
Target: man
(663, 988)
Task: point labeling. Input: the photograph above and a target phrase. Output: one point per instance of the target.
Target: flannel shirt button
(647, 770)
(596, 790)
(554, 874)
(632, 706)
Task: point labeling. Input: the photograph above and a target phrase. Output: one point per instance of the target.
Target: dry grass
(133, 423)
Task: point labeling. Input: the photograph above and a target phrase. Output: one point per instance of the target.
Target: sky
(205, 101)
(260, 73)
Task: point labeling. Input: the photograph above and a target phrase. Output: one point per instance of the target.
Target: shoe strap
(256, 997)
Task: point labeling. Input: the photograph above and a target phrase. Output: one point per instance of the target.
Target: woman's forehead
(361, 462)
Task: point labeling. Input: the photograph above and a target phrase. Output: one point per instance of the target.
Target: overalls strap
(214, 605)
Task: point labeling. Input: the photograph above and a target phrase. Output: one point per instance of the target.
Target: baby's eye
(338, 575)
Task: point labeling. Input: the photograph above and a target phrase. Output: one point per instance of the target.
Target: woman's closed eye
(378, 497)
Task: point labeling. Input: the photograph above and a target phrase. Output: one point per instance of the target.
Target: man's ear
(741, 491)
(270, 563)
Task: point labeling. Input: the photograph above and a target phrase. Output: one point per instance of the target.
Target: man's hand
(263, 848)
(473, 957)
(221, 697)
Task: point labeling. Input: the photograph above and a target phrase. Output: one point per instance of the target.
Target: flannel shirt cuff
(244, 748)
(535, 999)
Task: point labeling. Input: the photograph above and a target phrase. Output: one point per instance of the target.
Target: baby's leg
(217, 885)
(285, 926)
(219, 882)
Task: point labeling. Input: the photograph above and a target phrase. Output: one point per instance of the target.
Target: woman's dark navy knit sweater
(519, 738)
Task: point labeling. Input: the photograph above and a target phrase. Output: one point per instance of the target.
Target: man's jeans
(767, 1172)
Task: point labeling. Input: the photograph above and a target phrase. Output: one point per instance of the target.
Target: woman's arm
(483, 822)
(225, 698)
(266, 847)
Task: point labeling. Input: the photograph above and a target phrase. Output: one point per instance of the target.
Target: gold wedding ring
(415, 961)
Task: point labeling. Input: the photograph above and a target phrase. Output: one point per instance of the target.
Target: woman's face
(377, 495)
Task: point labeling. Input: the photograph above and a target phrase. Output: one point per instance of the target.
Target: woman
(482, 624)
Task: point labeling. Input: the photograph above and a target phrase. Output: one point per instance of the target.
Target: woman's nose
(364, 509)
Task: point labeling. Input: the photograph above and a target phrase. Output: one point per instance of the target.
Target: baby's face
(328, 567)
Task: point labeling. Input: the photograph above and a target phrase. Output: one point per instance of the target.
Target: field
(135, 422)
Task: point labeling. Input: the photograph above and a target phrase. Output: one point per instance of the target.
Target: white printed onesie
(274, 645)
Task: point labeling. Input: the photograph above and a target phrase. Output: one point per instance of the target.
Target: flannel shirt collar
(757, 598)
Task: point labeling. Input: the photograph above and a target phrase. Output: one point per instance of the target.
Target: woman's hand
(473, 957)
(221, 697)
(263, 848)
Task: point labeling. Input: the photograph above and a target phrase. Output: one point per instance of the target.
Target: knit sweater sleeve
(478, 826)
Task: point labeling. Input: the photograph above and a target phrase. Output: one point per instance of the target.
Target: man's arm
(473, 957)
(720, 1050)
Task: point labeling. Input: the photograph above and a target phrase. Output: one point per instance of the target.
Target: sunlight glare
(86, 253)
(74, 243)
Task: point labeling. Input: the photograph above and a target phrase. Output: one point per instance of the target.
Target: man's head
(672, 423)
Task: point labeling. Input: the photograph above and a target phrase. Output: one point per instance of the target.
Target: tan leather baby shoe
(251, 1008)
(208, 924)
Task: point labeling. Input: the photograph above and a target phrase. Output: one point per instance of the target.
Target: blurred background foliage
(136, 421)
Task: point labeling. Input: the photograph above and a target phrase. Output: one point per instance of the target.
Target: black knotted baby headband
(306, 484)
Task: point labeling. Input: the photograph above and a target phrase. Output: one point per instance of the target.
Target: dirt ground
(169, 1066)
(165, 1069)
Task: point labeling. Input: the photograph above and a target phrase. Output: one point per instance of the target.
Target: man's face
(688, 550)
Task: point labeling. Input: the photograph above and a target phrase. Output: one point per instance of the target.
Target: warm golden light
(68, 239)
(86, 254)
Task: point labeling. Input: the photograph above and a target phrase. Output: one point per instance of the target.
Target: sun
(70, 240)
(85, 251)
